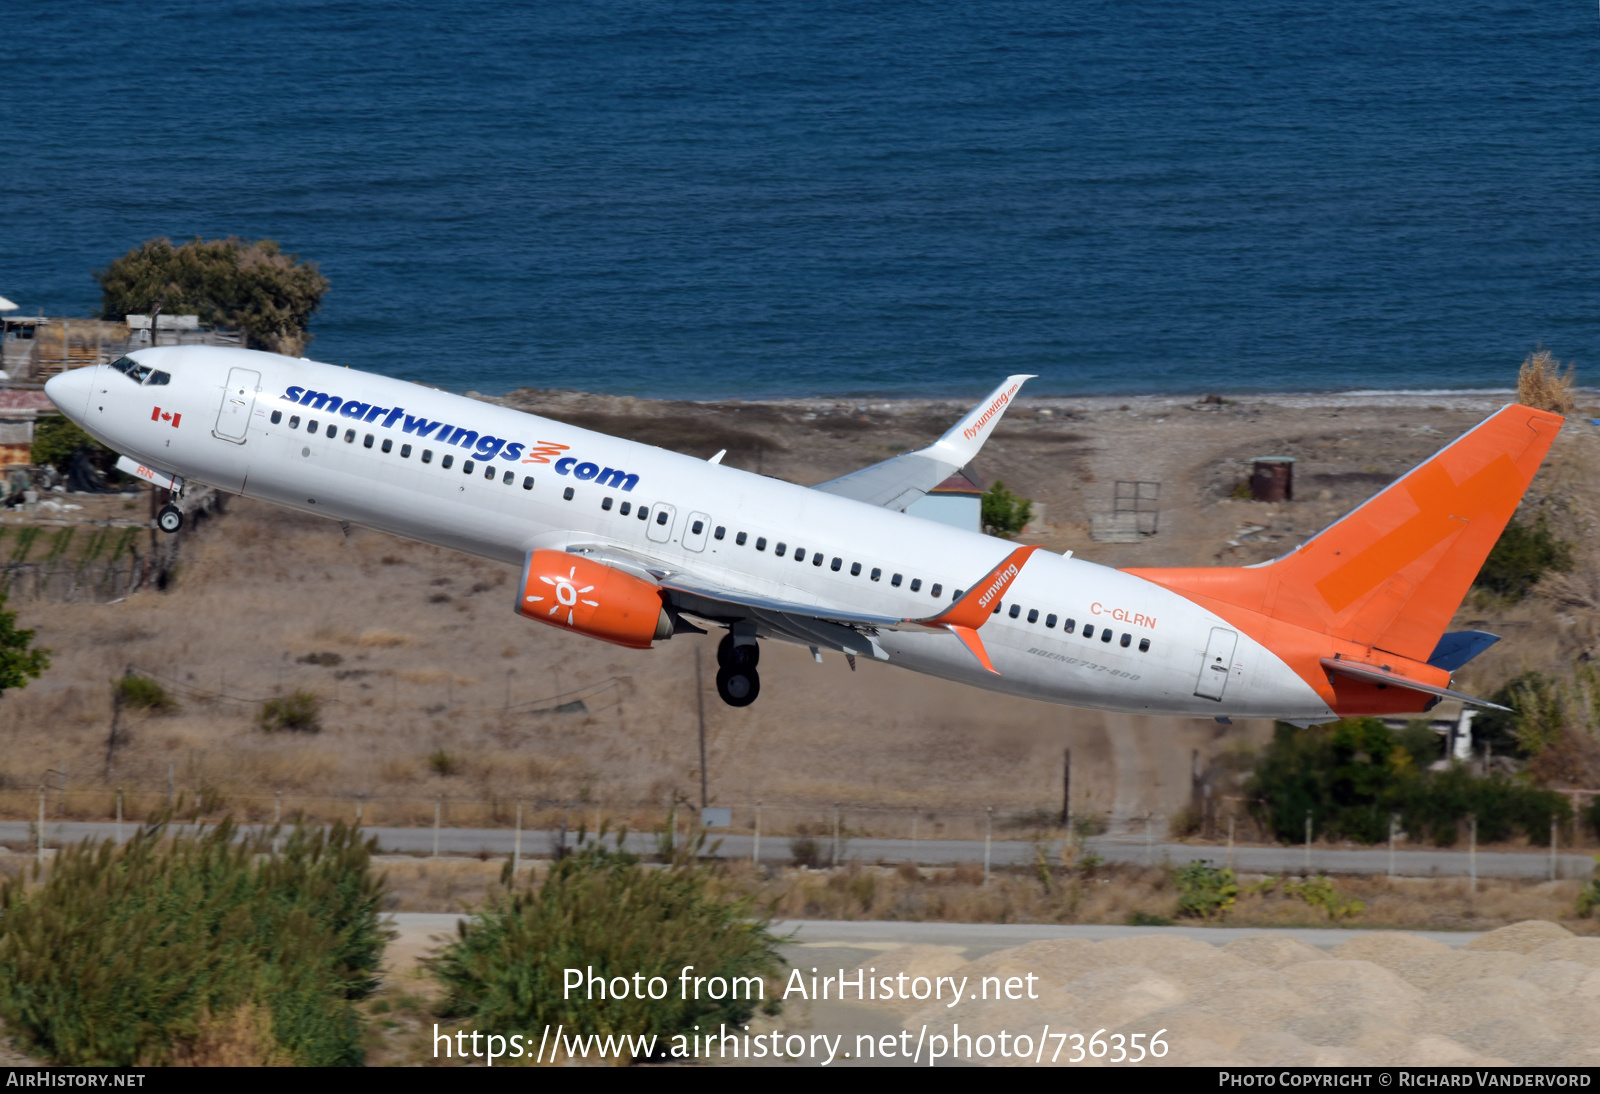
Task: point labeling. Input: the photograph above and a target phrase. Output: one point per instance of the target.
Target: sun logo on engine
(567, 594)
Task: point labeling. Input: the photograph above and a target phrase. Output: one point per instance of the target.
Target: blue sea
(711, 199)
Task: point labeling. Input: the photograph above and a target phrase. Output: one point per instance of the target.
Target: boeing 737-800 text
(632, 544)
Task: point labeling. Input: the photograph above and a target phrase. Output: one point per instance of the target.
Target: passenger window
(644, 514)
(447, 461)
(876, 573)
(1105, 634)
(720, 532)
(855, 569)
(1144, 645)
(388, 445)
(509, 477)
(998, 604)
(1033, 615)
(937, 591)
(696, 528)
(761, 543)
(779, 549)
(740, 538)
(627, 507)
(488, 472)
(1088, 630)
(816, 559)
(349, 436)
(799, 554)
(405, 452)
(661, 517)
(957, 594)
(1050, 621)
(834, 566)
(895, 581)
(1016, 610)
(527, 482)
(1126, 639)
(916, 584)
(1069, 626)
(367, 442)
(466, 467)
(427, 455)
(605, 503)
(277, 416)
(294, 421)
(333, 429)
(566, 494)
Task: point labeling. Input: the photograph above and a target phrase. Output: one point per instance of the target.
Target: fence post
(755, 850)
(1472, 853)
(1393, 825)
(516, 845)
(1308, 841)
(40, 857)
(438, 809)
(988, 839)
(170, 769)
(277, 808)
(834, 861)
(119, 814)
(1552, 848)
(1230, 841)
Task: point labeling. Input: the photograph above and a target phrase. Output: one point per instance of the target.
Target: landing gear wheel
(738, 687)
(170, 519)
(730, 656)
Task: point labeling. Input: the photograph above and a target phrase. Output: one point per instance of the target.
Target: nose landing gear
(738, 683)
(170, 519)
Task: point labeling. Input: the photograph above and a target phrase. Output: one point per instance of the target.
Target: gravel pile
(1524, 994)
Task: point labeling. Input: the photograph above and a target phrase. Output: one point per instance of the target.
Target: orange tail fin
(1391, 574)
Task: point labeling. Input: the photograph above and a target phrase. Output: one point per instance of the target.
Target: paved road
(1263, 860)
(978, 939)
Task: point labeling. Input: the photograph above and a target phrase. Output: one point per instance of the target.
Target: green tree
(251, 287)
(19, 662)
(1004, 513)
(1521, 556)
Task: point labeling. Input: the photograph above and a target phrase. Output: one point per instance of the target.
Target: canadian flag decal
(159, 415)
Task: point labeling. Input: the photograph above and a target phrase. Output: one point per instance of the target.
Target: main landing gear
(738, 683)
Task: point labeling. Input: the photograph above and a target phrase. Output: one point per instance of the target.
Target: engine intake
(580, 594)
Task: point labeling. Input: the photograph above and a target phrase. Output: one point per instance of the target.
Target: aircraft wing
(897, 483)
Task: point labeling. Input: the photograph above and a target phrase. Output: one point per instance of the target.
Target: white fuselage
(244, 425)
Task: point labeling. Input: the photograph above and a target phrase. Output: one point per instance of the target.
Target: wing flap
(1372, 674)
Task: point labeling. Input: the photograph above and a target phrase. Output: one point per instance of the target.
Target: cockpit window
(141, 374)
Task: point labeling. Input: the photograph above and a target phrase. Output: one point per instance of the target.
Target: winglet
(965, 616)
(963, 440)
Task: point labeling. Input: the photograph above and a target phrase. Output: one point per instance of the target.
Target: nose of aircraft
(70, 392)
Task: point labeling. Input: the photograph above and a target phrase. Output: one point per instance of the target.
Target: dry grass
(1542, 384)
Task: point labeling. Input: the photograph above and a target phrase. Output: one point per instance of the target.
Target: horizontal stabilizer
(1372, 674)
(1458, 647)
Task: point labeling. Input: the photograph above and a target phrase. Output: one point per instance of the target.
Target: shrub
(805, 851)
(1521, 556)
(143, 693)
(300, 712)
(1589, 895)
(1004, 513)
(443, 764)
(194, 948)
(1204, 890)
(600, 911)
(1354, 775)
(1319, 893)
(1541, 383)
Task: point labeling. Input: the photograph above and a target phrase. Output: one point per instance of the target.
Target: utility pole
(700, 706)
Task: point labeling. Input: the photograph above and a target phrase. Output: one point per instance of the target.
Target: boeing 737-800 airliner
(632, 544)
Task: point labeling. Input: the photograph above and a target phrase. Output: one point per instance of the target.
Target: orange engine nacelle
(580, 594)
